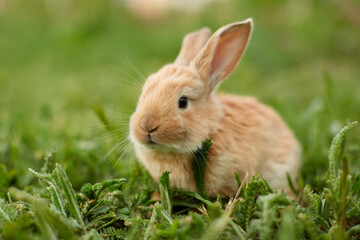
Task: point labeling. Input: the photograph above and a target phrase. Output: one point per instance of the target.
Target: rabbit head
(177, 109)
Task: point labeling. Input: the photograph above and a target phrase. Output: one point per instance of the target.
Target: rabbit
(178, 109)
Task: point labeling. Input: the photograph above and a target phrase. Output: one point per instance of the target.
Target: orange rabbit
(178, 109)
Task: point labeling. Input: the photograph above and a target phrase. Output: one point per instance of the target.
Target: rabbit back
(251, 138)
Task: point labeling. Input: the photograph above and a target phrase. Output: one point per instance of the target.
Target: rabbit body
(250, 137)
(247, 136)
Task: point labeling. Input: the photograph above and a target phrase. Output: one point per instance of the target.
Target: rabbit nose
(152, 130)
(149, 123)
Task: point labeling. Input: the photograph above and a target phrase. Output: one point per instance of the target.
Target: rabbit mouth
(150, 141)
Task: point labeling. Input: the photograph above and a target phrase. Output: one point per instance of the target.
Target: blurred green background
(60, 60)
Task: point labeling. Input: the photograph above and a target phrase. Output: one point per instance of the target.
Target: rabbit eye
(183, 102)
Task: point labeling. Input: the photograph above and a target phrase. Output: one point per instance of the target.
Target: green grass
(64, 74)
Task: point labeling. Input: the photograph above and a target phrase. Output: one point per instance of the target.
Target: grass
(65, 73)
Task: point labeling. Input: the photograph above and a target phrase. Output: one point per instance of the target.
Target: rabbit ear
(191, 45)
(220, 55)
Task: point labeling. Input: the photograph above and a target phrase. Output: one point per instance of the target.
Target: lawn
(70, 76)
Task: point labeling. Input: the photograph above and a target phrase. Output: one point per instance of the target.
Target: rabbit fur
(247, 135)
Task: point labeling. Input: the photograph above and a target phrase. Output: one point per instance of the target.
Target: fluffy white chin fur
(167, 148)
(177, 148)
(170, 148)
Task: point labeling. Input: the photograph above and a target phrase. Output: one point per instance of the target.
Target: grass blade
(199, 165)
(69, 193)
(165, 192)
(336, 150)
